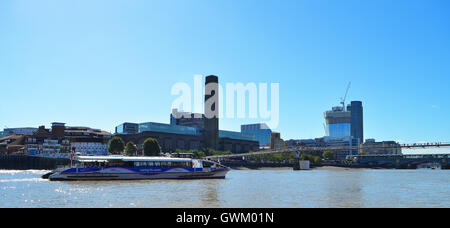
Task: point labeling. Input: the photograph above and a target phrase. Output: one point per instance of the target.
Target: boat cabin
(139, 162)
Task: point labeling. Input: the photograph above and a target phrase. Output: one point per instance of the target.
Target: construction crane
(345, 97)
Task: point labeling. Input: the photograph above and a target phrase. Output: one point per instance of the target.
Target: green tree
(116, 145)
(311, 158)
(151, 147)
(328, 154)
(130, 149)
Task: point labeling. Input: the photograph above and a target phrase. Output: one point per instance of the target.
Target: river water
(271, 188)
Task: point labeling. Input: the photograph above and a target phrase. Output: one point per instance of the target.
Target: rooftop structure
(167, 128)
(187, 119)
(236, 135)
(127, 128)
(19, 131)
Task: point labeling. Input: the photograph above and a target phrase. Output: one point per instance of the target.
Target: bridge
(400, 161)
(364, 160)
(303, 149)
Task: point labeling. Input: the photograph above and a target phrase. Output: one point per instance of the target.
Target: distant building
(261, 132)
(88, 140)
(173, 137)
(127, 128)
(44, 141)
(275, 141)
(294, 143)
(168, 128)
(344, 127)
(328, 141)
(187, 119)
(347, 141)
(371, 147)
(191, 131)
(61, 139)
(338, 122)
(236, 135)
(356, 120)
(19, 131)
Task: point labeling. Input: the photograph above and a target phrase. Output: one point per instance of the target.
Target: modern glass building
(344, 127)
(167, 128)
(356, 120)
(236, 135)
(127, 128)
(347, 141)
(260, 131)
(338, 129)
(338, 122)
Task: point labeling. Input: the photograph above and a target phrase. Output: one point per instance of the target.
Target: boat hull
(137, 174)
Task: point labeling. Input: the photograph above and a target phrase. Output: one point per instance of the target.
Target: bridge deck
(336, 148)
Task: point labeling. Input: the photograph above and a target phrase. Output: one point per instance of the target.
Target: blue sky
(100, 63)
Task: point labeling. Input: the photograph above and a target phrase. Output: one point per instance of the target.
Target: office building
(371, 147)
(327, 141)
(261, 132)
(344, 127)
(356, 120)
(345, 141)
(275, 141)
(338, 122)
(127, 128)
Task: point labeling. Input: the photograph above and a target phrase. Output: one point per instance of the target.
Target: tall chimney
(211, 132)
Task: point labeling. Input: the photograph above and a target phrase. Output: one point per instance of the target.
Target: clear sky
(104, 62)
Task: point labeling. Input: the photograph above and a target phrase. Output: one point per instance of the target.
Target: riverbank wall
(257, 165)
(24, 162)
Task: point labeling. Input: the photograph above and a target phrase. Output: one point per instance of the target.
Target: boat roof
(126, 158)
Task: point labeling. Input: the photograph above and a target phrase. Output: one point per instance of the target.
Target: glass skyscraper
(356, 120)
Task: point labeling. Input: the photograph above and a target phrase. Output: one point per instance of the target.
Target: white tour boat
(138, 168)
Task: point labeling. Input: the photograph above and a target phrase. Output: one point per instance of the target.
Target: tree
(116, 145)
(151, 147)
(130, 149)
(311, 158)
(328, 154)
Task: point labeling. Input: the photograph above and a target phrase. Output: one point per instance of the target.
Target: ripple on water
(243, 188)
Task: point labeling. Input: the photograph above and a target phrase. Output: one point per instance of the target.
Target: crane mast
(345, 97)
